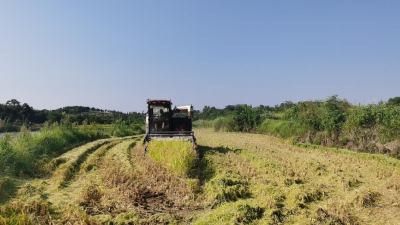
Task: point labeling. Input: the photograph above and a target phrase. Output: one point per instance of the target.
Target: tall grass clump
(178, 157)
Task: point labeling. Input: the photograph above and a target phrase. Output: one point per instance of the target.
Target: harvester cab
(165, 123)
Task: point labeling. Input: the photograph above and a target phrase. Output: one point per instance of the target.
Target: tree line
(13, 114)
(212, 113)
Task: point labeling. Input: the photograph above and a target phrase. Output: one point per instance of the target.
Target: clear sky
(116, 54)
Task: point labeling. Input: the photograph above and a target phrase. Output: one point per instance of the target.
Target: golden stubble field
(238, 179)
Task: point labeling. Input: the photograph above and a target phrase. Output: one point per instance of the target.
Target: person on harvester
(161, 119)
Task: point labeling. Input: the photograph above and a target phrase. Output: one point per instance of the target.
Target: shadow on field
(205, 170)
(9, 189)
(223, 150)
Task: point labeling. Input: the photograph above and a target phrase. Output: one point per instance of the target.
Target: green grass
(177, 156)
(282, 128)
(203, 123)
(117, 130)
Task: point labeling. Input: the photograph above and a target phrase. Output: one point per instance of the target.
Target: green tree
(25, 111)
(246, 117)
(336, 112)
(13, 102)
(394, 101)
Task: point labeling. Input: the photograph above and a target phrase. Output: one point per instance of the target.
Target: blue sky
(116, 54)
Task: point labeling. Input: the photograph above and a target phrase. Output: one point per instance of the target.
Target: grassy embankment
(26, 153)
(239, 178)
(333, 123)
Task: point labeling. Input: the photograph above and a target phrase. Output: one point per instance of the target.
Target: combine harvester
(165, 123)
